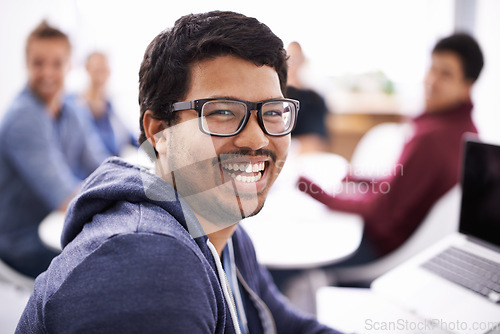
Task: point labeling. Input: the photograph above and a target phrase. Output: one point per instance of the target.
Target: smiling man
(161, 251)
(46, 151)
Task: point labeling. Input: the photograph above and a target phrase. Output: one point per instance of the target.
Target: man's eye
(221, 112)
(273, 113)
(38, 63)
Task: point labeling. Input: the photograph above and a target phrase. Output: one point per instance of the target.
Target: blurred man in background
(430, 159)
(46, 150)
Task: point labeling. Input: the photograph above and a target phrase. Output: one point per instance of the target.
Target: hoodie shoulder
(132, 283)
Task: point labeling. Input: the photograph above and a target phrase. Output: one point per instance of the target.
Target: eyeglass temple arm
(184, 105)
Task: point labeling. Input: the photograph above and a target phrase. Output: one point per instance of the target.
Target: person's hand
(307, 186)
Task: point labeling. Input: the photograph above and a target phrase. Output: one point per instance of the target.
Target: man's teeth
(247, 179)
(247, 168)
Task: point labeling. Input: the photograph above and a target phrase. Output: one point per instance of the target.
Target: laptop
(455, 284)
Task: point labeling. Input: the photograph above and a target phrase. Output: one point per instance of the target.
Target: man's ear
(468, 89)
(153, 129)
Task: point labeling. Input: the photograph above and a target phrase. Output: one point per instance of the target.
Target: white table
(362, 311)
(50, 230)
(294, 231)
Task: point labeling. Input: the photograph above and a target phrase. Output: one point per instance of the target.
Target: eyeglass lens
(226, 117)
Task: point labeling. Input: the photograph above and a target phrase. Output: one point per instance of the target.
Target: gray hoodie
(130, 265)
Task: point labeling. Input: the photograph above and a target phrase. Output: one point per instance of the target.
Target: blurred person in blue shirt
(96, 103)
(46, 150)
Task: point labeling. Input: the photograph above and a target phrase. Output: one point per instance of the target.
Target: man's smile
(245, 172)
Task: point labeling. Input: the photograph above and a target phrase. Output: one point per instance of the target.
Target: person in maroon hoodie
(429, 164)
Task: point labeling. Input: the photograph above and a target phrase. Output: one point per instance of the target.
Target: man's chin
(254, 213)
(234, 213)
(46, 96)
(246, 213)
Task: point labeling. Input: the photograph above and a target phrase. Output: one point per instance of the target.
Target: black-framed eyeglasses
(228, 117)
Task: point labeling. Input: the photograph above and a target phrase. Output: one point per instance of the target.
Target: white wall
(487, 91)
(338, 36)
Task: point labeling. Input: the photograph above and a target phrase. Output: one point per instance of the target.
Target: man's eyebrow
(223, 97)
(236, 98)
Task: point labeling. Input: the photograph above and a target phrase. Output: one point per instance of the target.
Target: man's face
(98, 70)
(224, 178)
(47, 61)
(445, 84)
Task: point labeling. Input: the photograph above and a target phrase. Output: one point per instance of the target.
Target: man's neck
(445, 109)
(217, 236)
(54, 106)
(219, 239)
(96, 98)
(95, 93)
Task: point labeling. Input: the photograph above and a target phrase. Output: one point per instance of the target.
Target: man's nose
(429, 79)
(252, 136)
(47, 71)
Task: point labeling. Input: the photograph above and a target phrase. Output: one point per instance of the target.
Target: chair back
(441, 221)
(379, 149)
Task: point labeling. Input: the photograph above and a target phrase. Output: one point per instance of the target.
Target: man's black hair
(164, 77)
(467, 49)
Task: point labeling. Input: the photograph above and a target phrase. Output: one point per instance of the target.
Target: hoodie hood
(118, 181)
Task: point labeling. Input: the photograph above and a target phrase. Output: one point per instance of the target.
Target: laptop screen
(480, 211)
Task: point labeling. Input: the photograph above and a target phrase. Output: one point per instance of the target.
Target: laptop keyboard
(468, 270)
